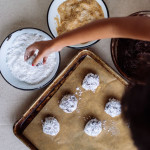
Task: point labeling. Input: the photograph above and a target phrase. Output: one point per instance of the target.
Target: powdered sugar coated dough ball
(93, 127)
(113, 107)
(51, 126)
(68, 103)
(91, 82)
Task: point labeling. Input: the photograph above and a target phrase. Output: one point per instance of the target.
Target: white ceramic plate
(5, 72)
(53, 13)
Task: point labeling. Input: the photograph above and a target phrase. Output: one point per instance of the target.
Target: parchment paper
(115, 134)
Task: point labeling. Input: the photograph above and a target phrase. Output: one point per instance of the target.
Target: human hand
(45, 48)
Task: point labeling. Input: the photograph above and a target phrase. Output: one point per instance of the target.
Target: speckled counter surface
(15, 14)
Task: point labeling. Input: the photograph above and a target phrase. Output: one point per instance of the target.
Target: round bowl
(6, 73)
(118, 41)
(52, 23)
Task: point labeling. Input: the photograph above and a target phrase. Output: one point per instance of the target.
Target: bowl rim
(8, 37)
(81, 47)
(113, 48)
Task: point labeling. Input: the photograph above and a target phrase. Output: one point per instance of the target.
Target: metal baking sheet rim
(17, 129)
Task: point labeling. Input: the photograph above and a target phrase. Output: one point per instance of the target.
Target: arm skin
(123, 27)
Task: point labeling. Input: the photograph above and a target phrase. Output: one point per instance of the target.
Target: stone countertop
(15, 14)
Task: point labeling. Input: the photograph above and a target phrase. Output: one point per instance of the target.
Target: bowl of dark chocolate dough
(130, 56)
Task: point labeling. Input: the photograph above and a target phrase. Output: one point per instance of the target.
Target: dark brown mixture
(132, 56)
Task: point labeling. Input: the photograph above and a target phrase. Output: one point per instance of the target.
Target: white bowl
(5, 72)
(52, 23)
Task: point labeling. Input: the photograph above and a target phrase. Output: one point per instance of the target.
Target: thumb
(29, 51)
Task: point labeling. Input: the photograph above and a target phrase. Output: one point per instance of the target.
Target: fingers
(44, 60)
(30, 51)
(37, 59)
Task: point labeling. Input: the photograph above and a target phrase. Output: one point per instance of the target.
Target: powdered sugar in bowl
(19, 73)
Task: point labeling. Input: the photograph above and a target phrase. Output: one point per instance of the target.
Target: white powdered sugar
(68, 103)
(91, 82)
(93, 127)
(77, 89)
(51, 126)
(23, 70)
(113, 107)
(110, 127)
(79, 92)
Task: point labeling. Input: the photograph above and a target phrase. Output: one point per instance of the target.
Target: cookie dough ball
(68, 103)
(91, 82)
(93, 127)
(113, 107)
(51, 126)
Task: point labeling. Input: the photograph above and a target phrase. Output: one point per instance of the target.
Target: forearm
(92, 31)
(123, 27)
(133, 27)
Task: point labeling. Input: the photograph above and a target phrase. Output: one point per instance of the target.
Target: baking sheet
(115, 134)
